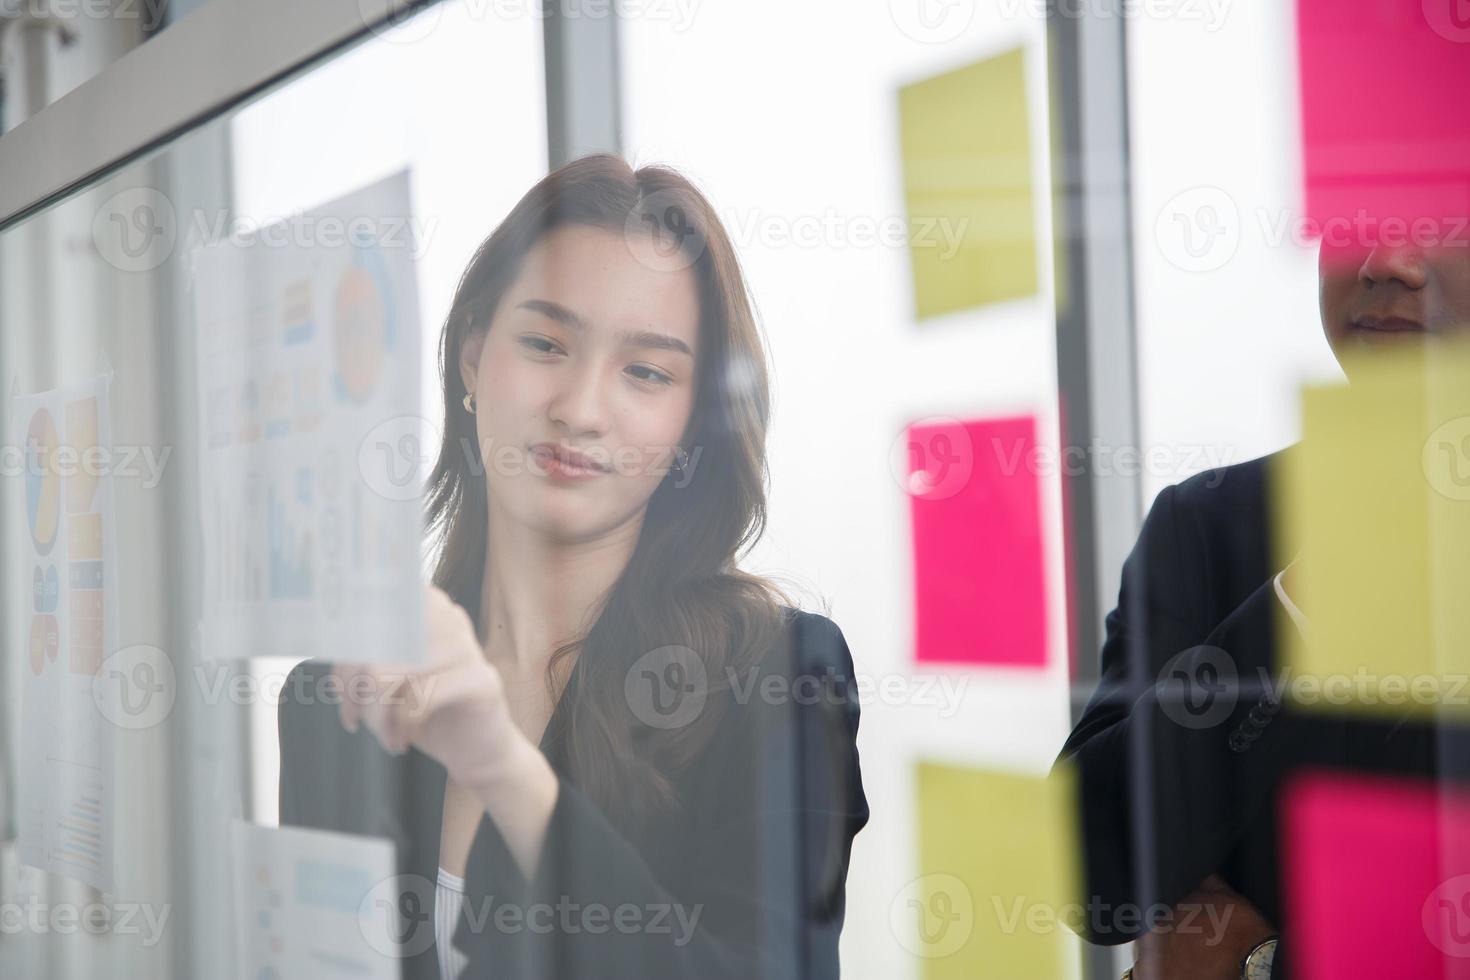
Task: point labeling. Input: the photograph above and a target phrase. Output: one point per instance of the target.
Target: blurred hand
(452, 707)
(1211, 931)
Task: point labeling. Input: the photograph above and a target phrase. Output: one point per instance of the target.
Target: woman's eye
(540, 345)
(653, 375)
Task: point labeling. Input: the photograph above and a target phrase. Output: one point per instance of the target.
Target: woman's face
(1392, 295)
(591, 350)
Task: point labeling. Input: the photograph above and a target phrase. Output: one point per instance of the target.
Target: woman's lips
(1386, 324)
(558, 461)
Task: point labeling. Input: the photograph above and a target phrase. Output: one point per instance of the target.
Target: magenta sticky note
(1385, 120)
(1377, 877)
(974, 492)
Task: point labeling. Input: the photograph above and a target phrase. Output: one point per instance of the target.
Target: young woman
(626, 757)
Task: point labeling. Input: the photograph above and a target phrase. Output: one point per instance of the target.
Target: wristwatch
(1255, 966)
(1257, 963)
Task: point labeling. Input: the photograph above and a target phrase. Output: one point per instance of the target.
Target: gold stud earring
(469, 402)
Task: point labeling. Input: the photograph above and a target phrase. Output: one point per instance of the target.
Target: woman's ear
(469, 358)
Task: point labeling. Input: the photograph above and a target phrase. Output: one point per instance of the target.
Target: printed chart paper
(313, 903)
(309, 367)
(66, 758)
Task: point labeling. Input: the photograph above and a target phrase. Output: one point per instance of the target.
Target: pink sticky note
(1385, 119)
(979, 590)
(1378, 878)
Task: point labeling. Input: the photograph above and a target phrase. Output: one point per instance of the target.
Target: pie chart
(362, 329)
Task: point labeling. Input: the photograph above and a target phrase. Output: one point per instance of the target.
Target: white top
(1297, 617)
(448, 900)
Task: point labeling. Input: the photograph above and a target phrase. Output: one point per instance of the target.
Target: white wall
(1225, 337)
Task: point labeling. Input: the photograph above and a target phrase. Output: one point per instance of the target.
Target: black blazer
(759, 852)
(1192, 793)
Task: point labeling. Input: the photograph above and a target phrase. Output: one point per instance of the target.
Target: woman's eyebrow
(630, 338)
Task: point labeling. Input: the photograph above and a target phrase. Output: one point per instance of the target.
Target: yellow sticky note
(998, 876)
(966, 144)
(1377, 498)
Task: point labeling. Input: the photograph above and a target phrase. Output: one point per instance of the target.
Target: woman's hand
(453, 709)
(451, 704)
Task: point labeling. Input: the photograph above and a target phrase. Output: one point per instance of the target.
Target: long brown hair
(681, 586)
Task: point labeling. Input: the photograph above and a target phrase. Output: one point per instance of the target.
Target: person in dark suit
(1183, 746)
(625, 757)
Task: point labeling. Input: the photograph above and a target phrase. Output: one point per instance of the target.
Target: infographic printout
(66, 751)
(309, 364)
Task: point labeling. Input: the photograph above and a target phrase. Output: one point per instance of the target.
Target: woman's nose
(581, 405)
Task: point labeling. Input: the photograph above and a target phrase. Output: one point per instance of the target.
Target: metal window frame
(205, 64)
(224, 53)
